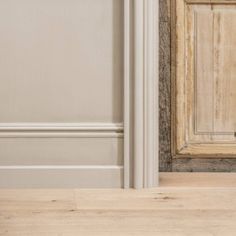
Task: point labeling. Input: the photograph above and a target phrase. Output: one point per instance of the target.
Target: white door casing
(49, 147)
(143, 58)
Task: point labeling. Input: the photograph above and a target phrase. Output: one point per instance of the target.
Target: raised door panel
(205, 78)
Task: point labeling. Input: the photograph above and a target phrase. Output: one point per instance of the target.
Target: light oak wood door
(205, 82)
(61, 93)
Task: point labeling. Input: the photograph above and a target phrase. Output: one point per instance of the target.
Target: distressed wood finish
(186, 179)
(205, 96)
(167, 15)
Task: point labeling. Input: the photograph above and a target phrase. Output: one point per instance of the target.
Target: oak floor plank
(33, 199)
(158, 198)
(162, 222)
(175, 209)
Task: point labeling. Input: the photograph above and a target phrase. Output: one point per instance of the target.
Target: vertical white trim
(127, 144)
(145, 93)
(150, 96)
(138, 93)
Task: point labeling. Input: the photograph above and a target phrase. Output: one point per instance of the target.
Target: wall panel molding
(62, 126)
(57, 130)
(138, 132)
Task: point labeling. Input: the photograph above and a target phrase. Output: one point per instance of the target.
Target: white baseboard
(61, 176)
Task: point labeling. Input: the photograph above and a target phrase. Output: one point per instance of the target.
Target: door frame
(141, 93)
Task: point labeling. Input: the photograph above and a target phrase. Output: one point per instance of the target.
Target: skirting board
(61, 177)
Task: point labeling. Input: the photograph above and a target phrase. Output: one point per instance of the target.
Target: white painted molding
(61, 130)
(62, 126)
(70, 134)
(60, 167)
(62, 177)
(127, 94)
(149, 95)
(141, 125)
(139, 66)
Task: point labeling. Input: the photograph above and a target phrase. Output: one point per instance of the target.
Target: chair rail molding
(140, 89)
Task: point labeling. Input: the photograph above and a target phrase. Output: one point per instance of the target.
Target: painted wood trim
(139, 157)
(64, 134)
(145, 93)
(118, 127)
(62, 178)
(151, 82)
(61, 130)
(59, 167)
(127, 92)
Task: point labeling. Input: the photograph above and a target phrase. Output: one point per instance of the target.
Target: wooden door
(61, 93)
(204, 114)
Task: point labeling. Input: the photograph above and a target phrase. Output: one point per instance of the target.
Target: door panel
(61, 93)
(215, 67)
(205, 78)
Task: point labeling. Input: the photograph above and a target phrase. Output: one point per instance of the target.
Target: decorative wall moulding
(89, 154)
(66, 130)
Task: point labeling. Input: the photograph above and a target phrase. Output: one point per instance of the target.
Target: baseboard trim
(61, 177)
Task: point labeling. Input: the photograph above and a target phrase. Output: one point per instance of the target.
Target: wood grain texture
(196, 208)
(167, 23)
(205, 97)
(206, 179)
(73, 222)
(214, 74)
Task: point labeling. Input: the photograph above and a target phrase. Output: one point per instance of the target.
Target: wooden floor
(184, 204)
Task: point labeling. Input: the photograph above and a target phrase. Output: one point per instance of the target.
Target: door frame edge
(141, 44)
